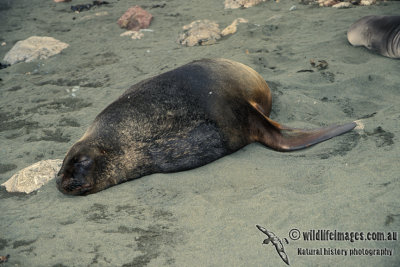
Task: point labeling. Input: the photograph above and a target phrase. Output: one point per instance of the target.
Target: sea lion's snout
(74, 176)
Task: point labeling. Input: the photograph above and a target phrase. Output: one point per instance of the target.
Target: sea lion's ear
(283, 138)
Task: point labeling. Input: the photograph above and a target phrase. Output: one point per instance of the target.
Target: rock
(307, 2)
(206, 32)
(342, 5)
(367, 2)
(327, 2)
(35, 47)
(135, 18)
(133, 34)
(200, 32)
(33, 177)
(59, 1)
(233, 27)
(241, 3)
(345, 3)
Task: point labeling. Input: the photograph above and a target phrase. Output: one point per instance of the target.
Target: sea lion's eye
(82, 166)
(84, 160)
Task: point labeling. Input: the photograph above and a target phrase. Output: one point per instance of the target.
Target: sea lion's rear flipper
(282, 138)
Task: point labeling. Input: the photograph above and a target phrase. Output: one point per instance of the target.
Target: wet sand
(205, 216)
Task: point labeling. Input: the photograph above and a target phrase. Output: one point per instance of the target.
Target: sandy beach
(205, 216)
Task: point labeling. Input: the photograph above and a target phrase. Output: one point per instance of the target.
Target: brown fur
(179, 120)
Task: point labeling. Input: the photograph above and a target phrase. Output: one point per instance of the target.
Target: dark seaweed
(85, 7)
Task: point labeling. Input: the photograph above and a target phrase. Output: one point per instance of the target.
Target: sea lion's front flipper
(282, 138)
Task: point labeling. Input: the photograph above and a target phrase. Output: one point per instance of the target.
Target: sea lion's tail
(282, 138)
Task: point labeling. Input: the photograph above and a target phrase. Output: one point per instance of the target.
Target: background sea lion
(180, 120)
(377, 33)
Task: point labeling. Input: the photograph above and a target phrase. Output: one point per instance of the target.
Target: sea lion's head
(95, 163)
(113, 150)
(360, 33)
(81, 169)
(371, 32)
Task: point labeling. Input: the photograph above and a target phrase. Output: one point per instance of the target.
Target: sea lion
(377, 33)
(179, 120)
